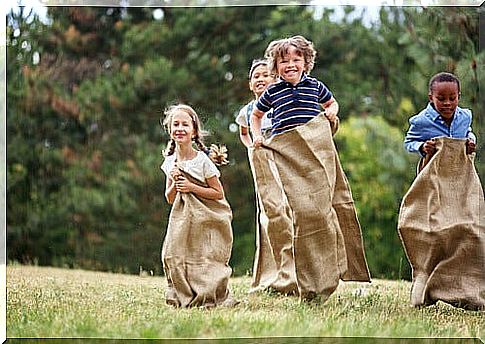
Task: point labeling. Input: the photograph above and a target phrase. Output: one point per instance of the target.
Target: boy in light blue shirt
(442, 117)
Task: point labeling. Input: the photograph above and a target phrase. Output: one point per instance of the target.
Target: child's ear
(250, 86)
(430, 97)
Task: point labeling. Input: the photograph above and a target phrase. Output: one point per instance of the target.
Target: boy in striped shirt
(296, 97)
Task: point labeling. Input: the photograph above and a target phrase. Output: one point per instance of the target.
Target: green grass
(51, 302)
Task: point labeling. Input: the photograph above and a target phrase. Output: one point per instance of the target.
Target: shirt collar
(435, 114)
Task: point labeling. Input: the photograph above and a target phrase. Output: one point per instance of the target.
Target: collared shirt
(293, 105)
(429, 124)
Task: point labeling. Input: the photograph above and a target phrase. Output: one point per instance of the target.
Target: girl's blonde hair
(279, 48)
(218, 154)
(199, 133)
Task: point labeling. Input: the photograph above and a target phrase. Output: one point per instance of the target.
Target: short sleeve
(264, 103)
(241, 118)
(209, 168)
(324, 94)
(168, 164)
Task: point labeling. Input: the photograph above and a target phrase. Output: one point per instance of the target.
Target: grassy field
(50, 302)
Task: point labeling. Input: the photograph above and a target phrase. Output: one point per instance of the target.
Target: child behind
(300, 162)
(441, 219)
(198, 242)
(273, 263)
(259, 79)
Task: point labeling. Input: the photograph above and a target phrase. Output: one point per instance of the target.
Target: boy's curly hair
(279, 48)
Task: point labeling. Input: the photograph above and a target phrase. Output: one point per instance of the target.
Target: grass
(51, 302)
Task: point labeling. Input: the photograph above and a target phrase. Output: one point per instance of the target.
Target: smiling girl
(198, 241)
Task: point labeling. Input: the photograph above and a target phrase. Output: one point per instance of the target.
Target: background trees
(86, 91)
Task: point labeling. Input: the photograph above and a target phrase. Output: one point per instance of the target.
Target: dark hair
(443, 77)
(255, 64)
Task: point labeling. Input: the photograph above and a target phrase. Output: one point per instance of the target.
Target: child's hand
(332, 117)
(182, 184)
(175, 173)
(470, 146)
(258, 140)
(429, 147)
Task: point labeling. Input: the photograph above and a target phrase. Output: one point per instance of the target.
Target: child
(296, 97)
(198, 242)
(300, 162)
(442, 117)
(273, 264)
(259, 78)
(441, 219)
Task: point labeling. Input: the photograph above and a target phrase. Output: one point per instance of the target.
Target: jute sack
(442, 227)
(302, 185)
(274, 265)
(196, 250)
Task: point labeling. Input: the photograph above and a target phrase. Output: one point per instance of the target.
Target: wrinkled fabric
(313, 233)
(442, 228)
(196, 251)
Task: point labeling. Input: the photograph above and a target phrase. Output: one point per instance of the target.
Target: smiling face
(182, 128)
(291, 65)
(260, 79)
(444, 96)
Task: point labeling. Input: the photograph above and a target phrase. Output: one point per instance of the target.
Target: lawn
(52, 302)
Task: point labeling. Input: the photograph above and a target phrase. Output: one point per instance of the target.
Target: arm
(256, 126)
(244, 136)
(214, 190)
(170, 191)
(331, 108)
(471, 142)
(414, 140)
(471, 138)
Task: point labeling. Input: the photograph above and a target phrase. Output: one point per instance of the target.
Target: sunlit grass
(50, 302)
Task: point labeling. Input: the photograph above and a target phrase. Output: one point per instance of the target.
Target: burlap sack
(303, 188)
(196, 251)
(274, 265)
(441, 225)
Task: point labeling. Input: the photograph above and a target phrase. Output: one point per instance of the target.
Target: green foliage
(86, 91)
(379, 173)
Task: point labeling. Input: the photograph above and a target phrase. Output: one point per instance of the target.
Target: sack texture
(313, 233)
(442, 228)
(196, 251)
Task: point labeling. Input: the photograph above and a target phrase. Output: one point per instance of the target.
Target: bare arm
(170, 190)
(244, 136)
(213, 191)
(256, 127)
(331, 108)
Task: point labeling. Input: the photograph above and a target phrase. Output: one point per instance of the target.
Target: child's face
(444, 96)
(182, 128)
(291, 66)
(260, 79)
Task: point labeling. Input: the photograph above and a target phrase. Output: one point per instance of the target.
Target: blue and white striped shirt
(429, 124)
(293, 105)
